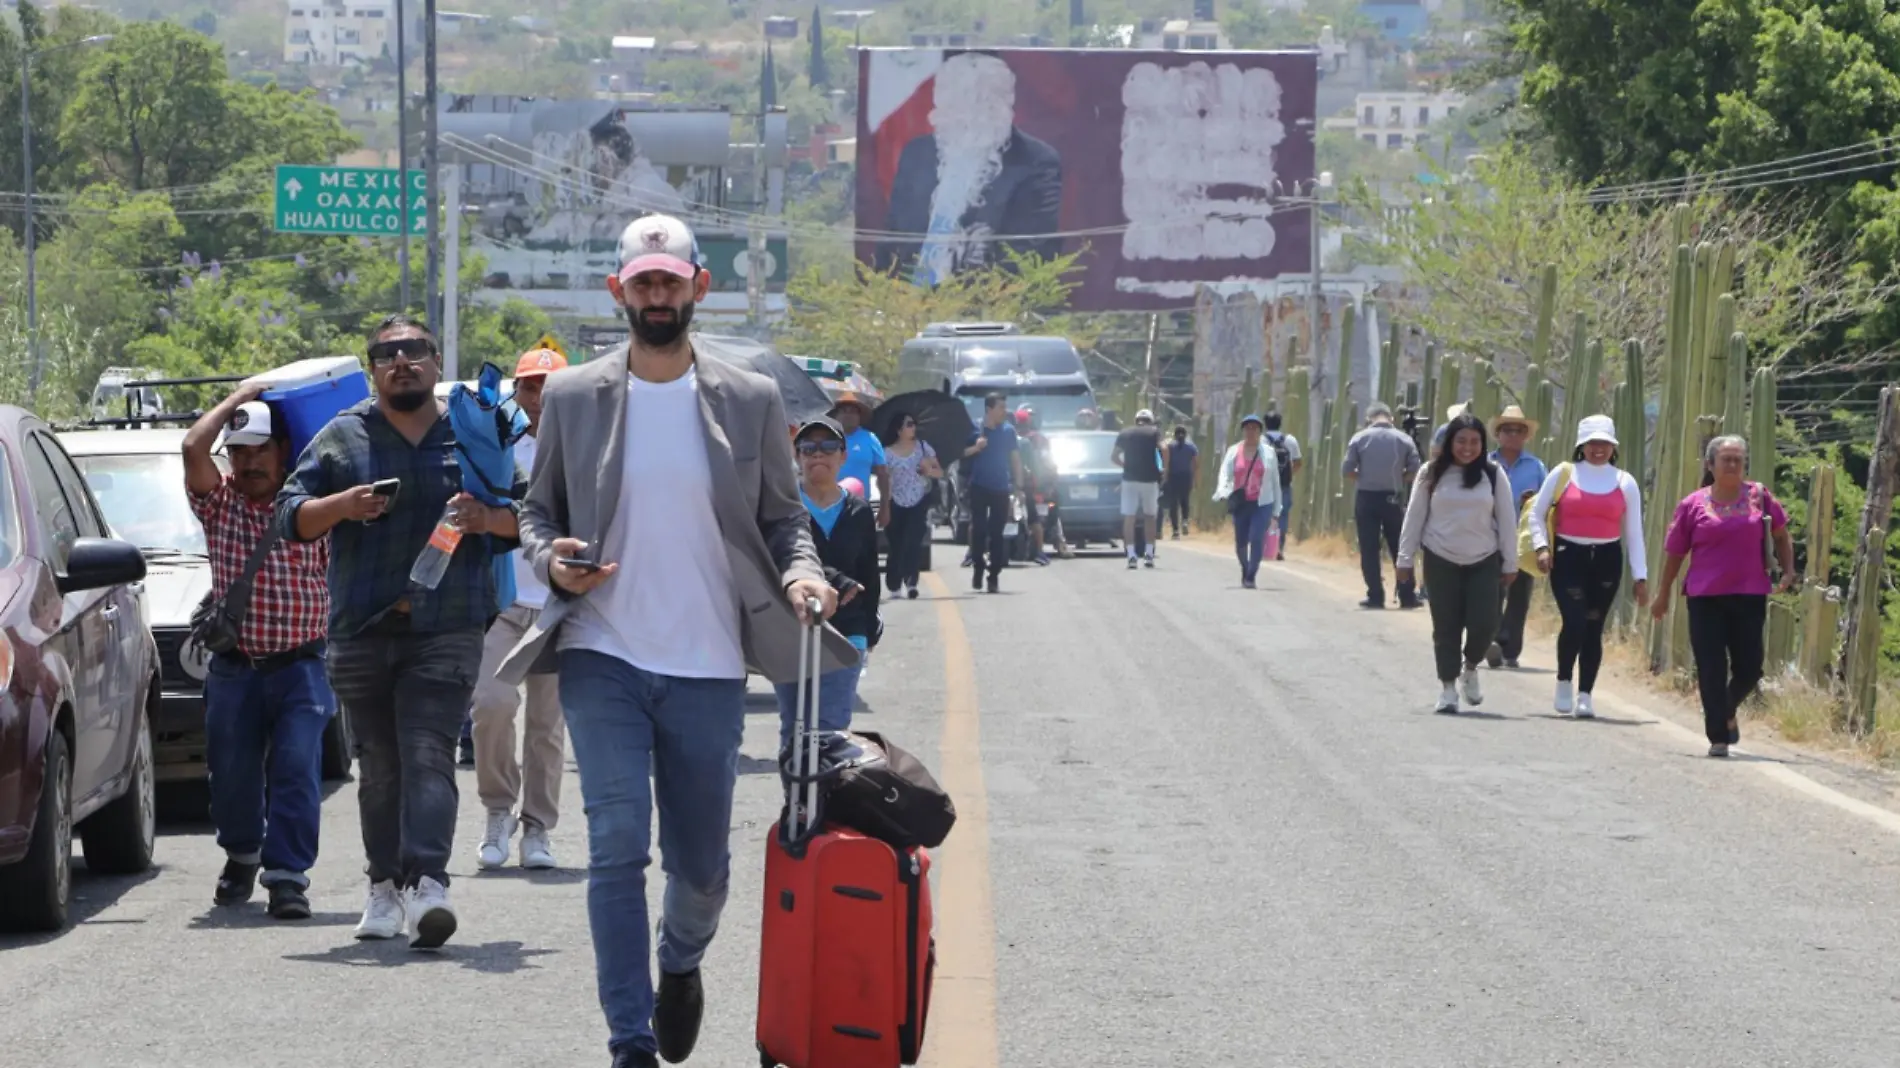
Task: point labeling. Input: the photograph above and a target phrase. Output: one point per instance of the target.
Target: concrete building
(336, 33)
(1395, 120)
(1175, 34)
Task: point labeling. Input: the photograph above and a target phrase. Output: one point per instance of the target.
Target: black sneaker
(1409, 603)
(976, 578)
(288, 902)
(466, 754)
(237, 883)
(676, 1014)
(635, 1058)
(992, 584)
(1494, 656)
(1372, 602)
(910, 592)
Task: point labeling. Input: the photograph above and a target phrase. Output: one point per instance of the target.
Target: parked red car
(78, 683)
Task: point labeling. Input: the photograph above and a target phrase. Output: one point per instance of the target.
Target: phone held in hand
(578, 563)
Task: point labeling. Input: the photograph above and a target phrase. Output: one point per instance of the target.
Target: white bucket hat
(1596, 428)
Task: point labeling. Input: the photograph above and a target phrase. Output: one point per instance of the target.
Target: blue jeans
(627, 724)
(264, 749)
(837, 695)
(1251, 522)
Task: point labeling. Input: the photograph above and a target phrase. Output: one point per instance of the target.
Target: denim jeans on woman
(1252, 521)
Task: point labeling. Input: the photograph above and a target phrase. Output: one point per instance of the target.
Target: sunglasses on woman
(828, 447)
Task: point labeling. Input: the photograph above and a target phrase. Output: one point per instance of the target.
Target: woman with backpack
(1466, 521)
(1597, 528)
(1727, 530)
(1250, 484)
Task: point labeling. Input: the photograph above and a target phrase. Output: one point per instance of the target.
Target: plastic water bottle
(433, 563)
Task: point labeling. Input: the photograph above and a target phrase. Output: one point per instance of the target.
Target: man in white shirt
(664, 512)
(534, 780)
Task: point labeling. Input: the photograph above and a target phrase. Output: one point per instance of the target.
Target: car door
(83, 637)
(122, 665)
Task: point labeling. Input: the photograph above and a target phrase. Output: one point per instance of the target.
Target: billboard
(1157, 166)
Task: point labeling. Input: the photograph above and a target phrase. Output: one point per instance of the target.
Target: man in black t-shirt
(1138, 451)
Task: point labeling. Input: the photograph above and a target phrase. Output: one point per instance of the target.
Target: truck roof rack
(968, 330)
(142, 393)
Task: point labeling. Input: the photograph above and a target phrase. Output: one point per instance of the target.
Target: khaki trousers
(533, 780)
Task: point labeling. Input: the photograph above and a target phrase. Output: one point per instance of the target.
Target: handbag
(216, 621)
(1239, 496)
(1526, 553)
(878, 790)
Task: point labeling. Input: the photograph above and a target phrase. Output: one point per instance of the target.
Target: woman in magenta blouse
(1720, 529)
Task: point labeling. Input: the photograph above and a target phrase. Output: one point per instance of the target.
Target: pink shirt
(1247, 482)
(1724, 549)
(1597, 516)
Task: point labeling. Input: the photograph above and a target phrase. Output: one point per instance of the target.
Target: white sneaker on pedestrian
(382, 913)
(1447, 700)
(1563, 703)
(1584, 708)
(501, 831)
(431, 918)
(1474, 693)
(536, 854)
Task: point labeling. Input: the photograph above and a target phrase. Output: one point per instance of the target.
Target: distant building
(1400, 20)
(1395, 120)
(337, 33)
(626, 69)
(1177, 34)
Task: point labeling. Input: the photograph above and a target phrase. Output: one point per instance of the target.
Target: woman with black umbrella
(913, 464)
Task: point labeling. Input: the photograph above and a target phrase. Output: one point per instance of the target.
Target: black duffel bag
(879, 790)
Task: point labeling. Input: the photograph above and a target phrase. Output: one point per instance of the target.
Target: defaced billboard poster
(1159, 167)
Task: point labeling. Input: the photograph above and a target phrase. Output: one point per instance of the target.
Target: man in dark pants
(1512, 430)
(403, 659)
(267, 703)
(992, 470)
(1382, 460)
(1177, 492)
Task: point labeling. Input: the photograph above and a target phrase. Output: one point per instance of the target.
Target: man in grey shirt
(1382, 460)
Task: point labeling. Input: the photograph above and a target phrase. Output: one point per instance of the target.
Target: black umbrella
(943, 422)
(804, 398)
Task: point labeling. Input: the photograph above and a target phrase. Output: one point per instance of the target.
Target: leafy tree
(867, 317)
(817, 73)
(55, 77)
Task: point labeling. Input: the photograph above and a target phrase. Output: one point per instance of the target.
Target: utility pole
(755, 235)
(451, 269)
(402, 147)
(431, 153)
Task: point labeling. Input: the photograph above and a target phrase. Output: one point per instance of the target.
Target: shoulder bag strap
(237, 599)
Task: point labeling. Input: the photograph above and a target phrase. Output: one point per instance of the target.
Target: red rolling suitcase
(846, 955)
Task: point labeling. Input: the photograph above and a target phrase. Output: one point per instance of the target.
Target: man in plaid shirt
(267, 703)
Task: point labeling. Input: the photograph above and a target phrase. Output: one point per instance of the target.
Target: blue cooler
(309, 393)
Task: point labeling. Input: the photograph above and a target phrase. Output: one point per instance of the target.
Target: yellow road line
(962, 1026)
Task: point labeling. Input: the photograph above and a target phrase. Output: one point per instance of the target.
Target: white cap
(1144, 416)
(1596, 428)
(250, 426)
(658, 243)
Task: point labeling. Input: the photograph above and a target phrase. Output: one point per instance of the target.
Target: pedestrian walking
(1177, 492)
(1250, 484)
(1513, 430)
(913, 464)
(520, 790)
(1731, 530)
(1463, 515)
(1596, 530)
(665, 508)
(864, 459)
(267, 704)
(1138, 451)
(1286, 450)
(1038, 478)
(1381, 461)
(403, 659)
(844, 532)
(993, 469)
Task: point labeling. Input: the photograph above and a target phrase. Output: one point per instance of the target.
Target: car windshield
(1082, 452)
(1005, 356)
(1056, 408)
(143, 496)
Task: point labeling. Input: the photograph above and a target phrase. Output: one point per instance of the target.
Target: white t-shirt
(671, 608)
(529, 593)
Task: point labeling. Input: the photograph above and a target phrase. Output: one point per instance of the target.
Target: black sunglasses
(827, 447)
(412, 349)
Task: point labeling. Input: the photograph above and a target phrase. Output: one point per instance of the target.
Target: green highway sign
(348, 201)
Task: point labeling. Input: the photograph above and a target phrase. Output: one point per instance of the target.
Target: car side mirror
(96, 563)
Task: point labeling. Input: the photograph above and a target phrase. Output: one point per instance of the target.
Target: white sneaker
(1474, 693)
(501, 831)
(1563, 703)
(382, 913)
(1584, 709)
(431, 918)
(1448, 700)
(536, 854)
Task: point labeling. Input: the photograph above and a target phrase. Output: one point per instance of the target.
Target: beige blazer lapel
(610, 430)
(728, 501)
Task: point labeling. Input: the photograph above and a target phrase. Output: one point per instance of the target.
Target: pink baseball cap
(658, 243)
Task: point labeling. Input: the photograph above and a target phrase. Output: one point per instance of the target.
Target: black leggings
(1726, 634)
(908, 532)
(1584, 579)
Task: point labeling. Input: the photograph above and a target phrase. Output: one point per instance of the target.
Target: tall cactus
(1449, 374)
(1590, 400)
(1549, 447)
(1574, 365)
(1428, 383)
(1485, 390)
(1670, 433)
(1546, 314)
(1632, 416)
(1863, 662)
(1389, 359)
(1735, 398)
(1820, 606)
(1761, 433)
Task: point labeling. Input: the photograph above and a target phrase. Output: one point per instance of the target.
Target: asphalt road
(1201, 827)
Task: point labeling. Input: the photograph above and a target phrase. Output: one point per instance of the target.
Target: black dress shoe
(676, 1014)
(289, 902)
(236, 883)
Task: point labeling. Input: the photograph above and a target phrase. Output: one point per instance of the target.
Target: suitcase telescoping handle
(811, 647)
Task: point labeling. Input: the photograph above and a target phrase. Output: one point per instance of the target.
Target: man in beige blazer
(664, 513)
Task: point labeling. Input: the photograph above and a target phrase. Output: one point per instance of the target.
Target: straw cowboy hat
(1513, 414)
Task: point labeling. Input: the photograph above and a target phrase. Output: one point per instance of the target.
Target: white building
(1395, 120)
(337, 33)
(1175, 34)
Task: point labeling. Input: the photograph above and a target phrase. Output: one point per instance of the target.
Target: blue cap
(1245, 419)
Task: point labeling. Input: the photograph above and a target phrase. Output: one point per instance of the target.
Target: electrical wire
(1826, 157)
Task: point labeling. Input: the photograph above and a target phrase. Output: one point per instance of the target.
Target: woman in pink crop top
(1586, 524)
(1720, 529)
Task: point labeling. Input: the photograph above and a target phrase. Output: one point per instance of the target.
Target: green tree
(55, 77)
(816, 73)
